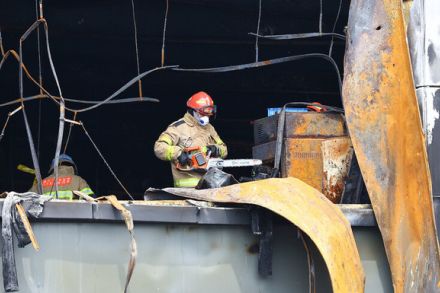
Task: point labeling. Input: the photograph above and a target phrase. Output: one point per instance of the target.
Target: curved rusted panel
(310, 211)
(384, 123)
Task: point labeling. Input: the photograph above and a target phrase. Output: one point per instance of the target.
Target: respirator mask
(202, 120)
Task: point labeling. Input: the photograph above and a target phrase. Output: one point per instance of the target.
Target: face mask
(203, 120)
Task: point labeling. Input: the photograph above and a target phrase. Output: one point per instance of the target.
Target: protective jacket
(67, 182)
(183, 133)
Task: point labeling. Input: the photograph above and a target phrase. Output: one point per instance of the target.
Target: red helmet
(202, 103)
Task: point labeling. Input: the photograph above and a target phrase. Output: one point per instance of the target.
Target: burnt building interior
(94, 53)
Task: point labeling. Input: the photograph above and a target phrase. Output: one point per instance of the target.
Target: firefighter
(68, 180)
(193, 130)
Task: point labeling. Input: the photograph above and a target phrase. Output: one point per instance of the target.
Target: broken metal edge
(359, 215)
(59, 210)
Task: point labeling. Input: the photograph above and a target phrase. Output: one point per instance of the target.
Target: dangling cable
(330, 51)
(136, 46)
(44, 96)
(28, 129)
(105, 161)
(61, 101)
(122, 89)
(41, 10)
(62, 107)
(55, 98)
(258, 31)
(70, 131)
(2, 50)
(320, 16)
(270, 62)
(10, 114)
(162, 58)
(299, 36)
(33, 153)
(96, 104)
(39, 128)
(40, 76)
(310, 263)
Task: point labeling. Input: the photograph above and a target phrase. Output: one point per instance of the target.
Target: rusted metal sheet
(321, 163)
(384, 122)
(336, 159)
(302, 159)
(309, 124)
(310, 211)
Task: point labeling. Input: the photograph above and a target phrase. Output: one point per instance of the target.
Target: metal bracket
(262, 226)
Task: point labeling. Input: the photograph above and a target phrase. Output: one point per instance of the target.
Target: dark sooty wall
(92, 45)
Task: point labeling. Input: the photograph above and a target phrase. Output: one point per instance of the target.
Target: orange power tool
(199, 161)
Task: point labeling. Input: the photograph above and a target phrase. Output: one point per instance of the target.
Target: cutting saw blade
(232, 163)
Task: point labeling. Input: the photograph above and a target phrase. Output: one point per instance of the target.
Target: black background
(92, 44)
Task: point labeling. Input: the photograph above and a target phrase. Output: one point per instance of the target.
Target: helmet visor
(207, 110)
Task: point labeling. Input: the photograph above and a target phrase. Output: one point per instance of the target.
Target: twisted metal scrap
(384, 123)
(128, 219)
(10, 278)
(310, 211)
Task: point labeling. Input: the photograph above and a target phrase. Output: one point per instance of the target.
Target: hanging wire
(300, 36)
(62, 106)
(330, 51)
(10, 114)
(25, 119)
(136, 46)
(310, 263)
(258, 31)
(36, 24)
(39, 128)
(41, 9)
(2, 50)
(96, 103)
(270, 62)
(165, 21)
(14, 54)
(119, 91)
(44, 96)
(320, 16)
(70, 131)
(28, 131)
(105, 161)
(32, 149)
(176, 68)
(39, 6)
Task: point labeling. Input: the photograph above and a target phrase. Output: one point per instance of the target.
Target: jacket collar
(189, 119)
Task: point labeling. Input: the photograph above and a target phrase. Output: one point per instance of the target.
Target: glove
(183, 158)
(215, 151)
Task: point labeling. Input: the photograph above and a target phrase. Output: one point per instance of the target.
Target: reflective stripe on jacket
(67, 182)
(186, 182)
(68, 194)
(183, 133)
